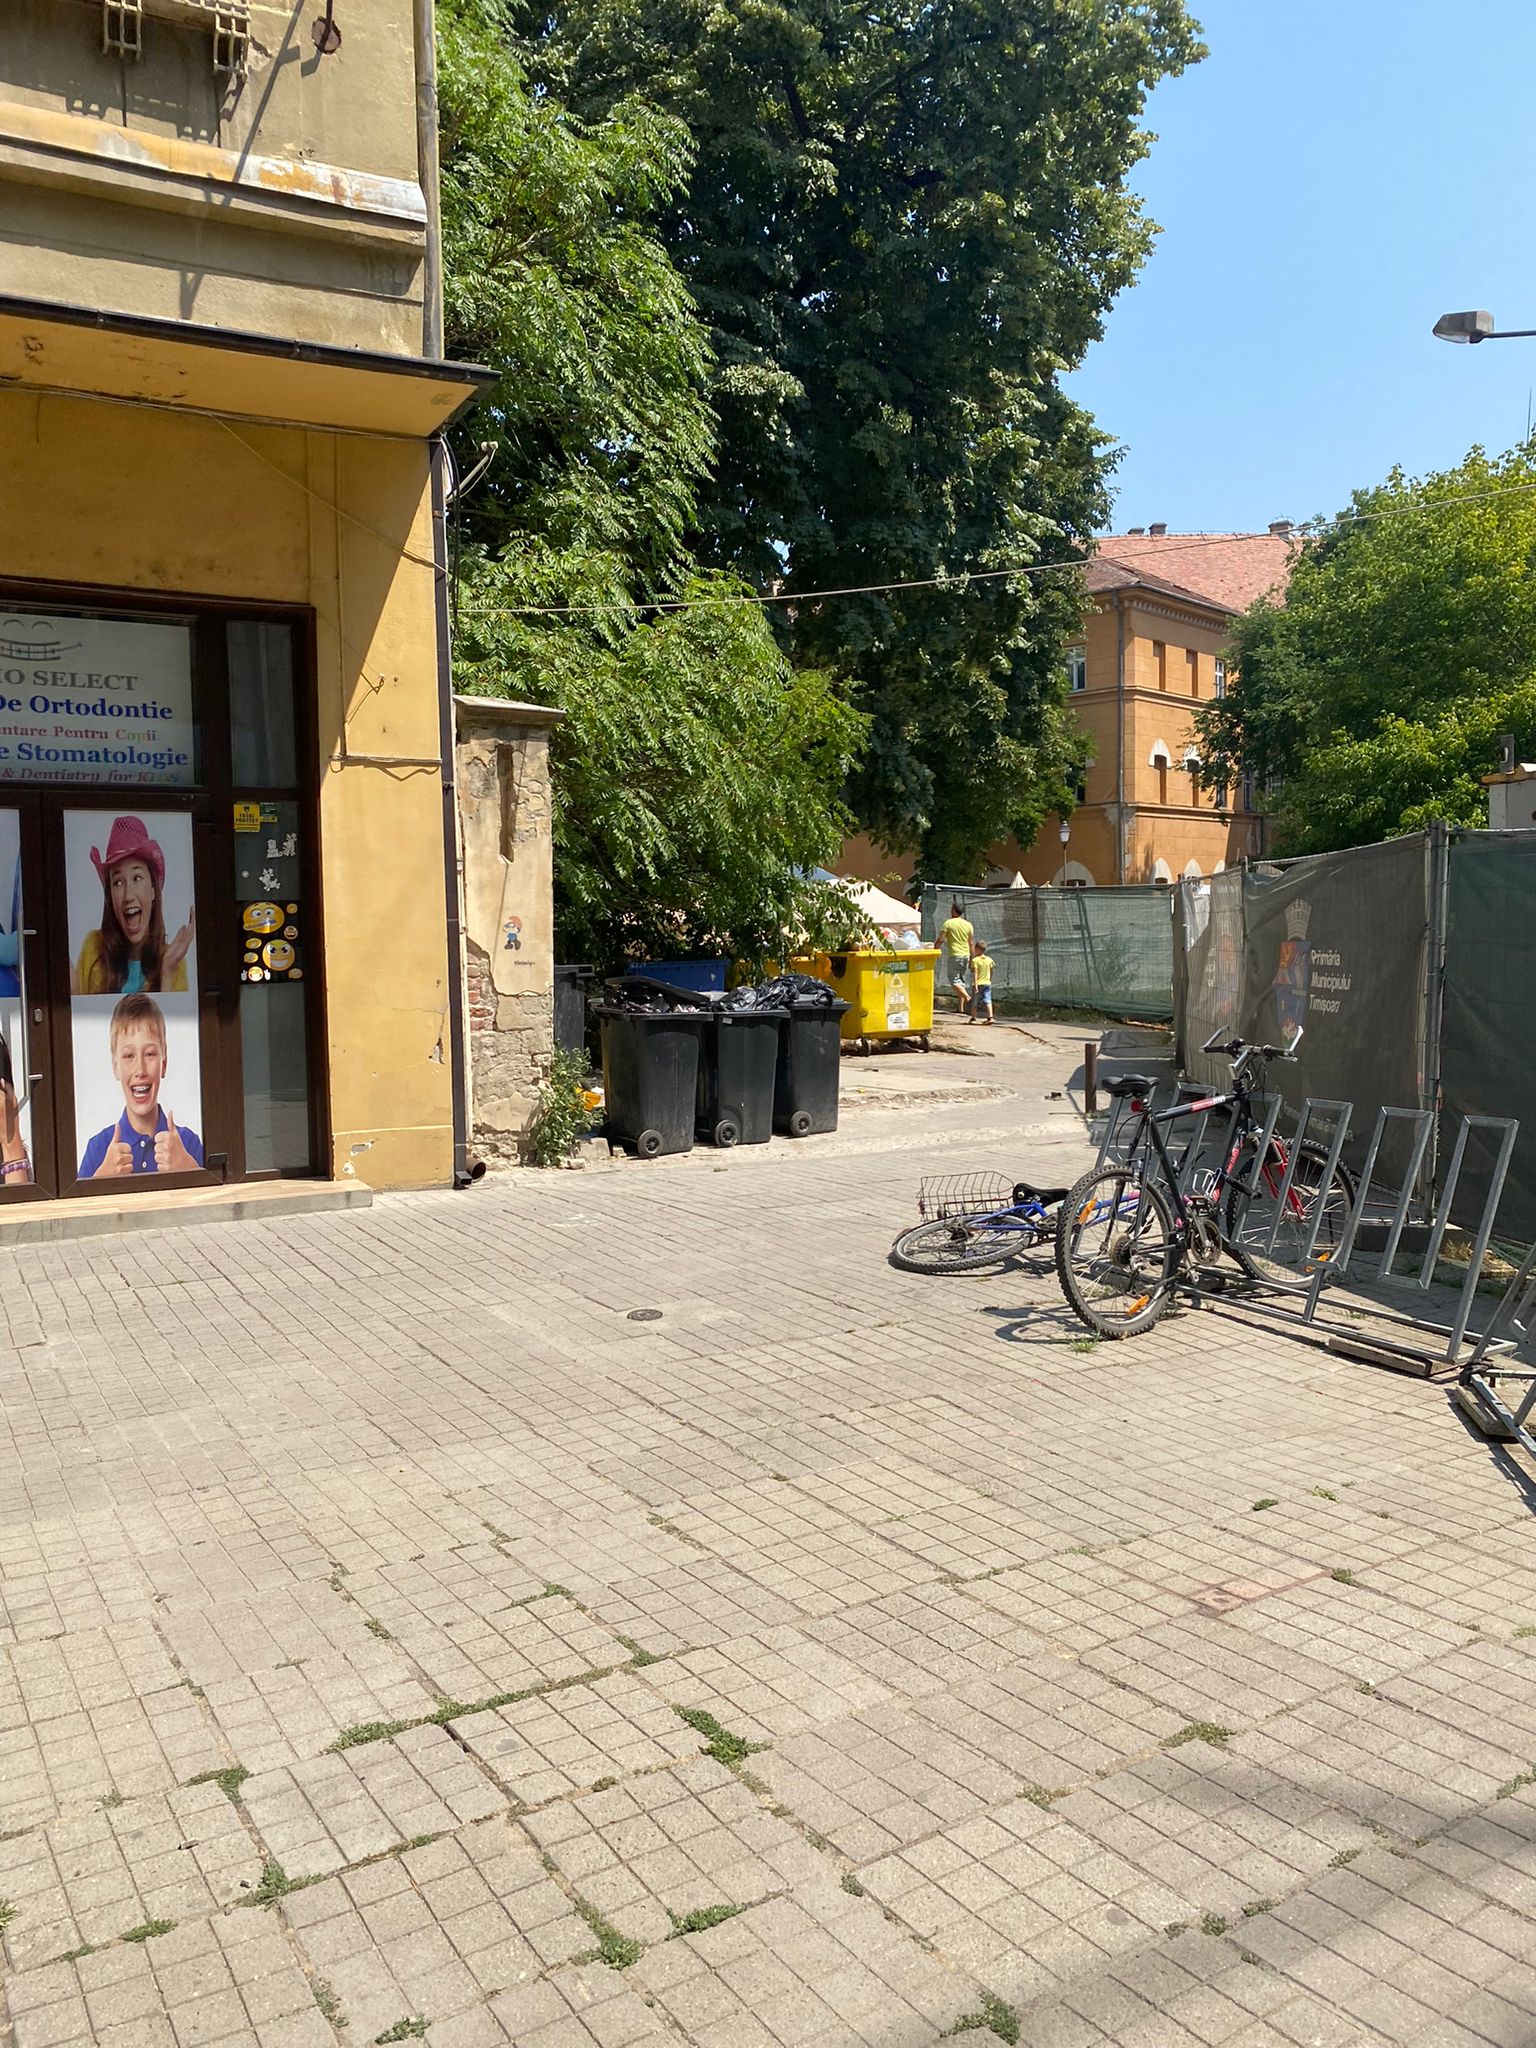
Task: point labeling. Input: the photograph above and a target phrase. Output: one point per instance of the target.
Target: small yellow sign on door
(247, 817)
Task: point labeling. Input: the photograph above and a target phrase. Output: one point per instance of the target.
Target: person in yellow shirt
(957, 935)
(981, 974)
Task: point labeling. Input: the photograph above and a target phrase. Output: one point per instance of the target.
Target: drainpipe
(465, 1171)
(1120, 736)
(426, 173)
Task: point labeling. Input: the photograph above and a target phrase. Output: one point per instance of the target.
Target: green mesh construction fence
(1411, 969)
(1087, 949)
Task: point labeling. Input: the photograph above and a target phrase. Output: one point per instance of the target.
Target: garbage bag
(782, 992)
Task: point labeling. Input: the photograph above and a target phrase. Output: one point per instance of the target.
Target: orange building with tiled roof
(1154, 645)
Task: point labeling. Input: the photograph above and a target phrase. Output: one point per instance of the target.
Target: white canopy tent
(888, 912)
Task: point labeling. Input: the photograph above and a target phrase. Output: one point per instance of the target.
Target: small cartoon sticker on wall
(513, 930)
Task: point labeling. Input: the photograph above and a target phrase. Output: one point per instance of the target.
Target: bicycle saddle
(1131, 1084)
(1025, 1192)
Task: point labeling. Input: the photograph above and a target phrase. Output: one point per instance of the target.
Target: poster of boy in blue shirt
(145, 1138)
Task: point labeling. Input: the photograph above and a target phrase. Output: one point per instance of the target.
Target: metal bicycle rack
(1393, 1211)
(1480, 1388)
(1322, 1271)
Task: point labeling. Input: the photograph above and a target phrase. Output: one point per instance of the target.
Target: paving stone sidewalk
(399, 1642)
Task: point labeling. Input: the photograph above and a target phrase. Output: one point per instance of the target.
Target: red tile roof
(1224, 570)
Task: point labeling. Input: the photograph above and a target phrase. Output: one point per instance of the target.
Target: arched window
(1162, 761)
(1192, 770)
(1192, 871)
(1162, 875)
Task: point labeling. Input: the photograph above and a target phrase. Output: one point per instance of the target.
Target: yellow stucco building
(1153, 646)
(228, 899)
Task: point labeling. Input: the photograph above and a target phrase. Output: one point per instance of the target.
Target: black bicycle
(1129, 1231)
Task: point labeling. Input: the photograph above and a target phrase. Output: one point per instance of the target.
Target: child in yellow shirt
(981, 978)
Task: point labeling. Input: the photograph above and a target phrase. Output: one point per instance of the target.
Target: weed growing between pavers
(1212, 1924)
(701, 1919)
(852, 1886)
(722, 1745)
(617, 1950)
(1342, 1858)
(228, 1780)
(1343, 1577)
(1257, 1906)
(1514, 1785)
(638, 1657)
(111, 1799)
(1268, 1501)
(995, 2013)
(1199, 1731)
(1041, 1795)
(78, 1955)
(362, 1732)
(7, 1914)
(375, 1627)
(274, 1884)
(325, 1996)
(1324, 1493)
(370, 1731)
(605, 1784)
(412, 2029)
(148, 1931)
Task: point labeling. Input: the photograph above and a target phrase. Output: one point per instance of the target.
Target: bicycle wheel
(1117, 1251)
(1248, 1220)
(957, 1244)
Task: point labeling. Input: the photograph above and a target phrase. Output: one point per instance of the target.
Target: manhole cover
(645, 1315)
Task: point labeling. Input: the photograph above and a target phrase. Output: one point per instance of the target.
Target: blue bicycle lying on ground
(972, 1221)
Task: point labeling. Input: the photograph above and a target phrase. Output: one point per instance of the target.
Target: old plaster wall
(286, 201)
(505, 823)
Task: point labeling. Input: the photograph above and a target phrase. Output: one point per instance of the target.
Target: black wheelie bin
(650, 1076)
(571, 1007)
(738, 1063)
(807, 1069)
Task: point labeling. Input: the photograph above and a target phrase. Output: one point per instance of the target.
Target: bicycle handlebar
(1234, 1047)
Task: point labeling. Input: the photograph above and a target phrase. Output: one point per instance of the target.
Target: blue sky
(1334, 176)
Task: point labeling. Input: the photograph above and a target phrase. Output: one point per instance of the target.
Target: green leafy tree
(697, 775)
(901, 224)
(1405, 773)
(1376, 695)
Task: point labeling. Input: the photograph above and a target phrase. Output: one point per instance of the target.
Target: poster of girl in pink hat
(134, 1013)
(127, 951)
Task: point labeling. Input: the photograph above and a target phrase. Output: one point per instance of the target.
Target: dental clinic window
(97, 700)
(269, 895)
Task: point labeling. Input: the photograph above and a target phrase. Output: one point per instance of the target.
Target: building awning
(46, 347)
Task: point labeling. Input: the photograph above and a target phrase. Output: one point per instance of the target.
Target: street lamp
(1065, 835)
(1477, 327)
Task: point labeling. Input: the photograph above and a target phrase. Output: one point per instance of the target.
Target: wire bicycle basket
(941, 1196)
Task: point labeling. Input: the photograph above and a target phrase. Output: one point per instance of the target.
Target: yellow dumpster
(889, 995)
